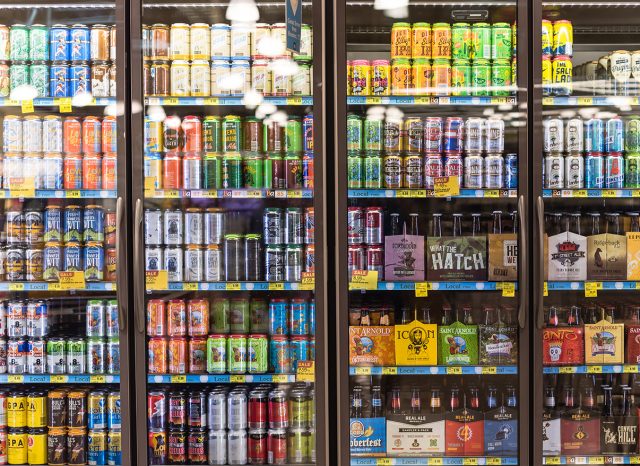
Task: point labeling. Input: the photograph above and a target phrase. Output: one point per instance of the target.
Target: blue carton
(367, 436)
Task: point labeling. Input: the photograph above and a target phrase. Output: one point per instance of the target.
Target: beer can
(510, 171)
(494, 140)
(97, 406)
(97, 447)
(562, 73)
(553, 135)
(594, 132)
(473, 171)
(114, 447)
(392, 170)
(554, 171)
(57, 446)
(632, 135)
(401, 76)
(433, 168)
(96, 356)
(594, 171)
(157, 447)
(193, 263)
(453, 134)
(76, 356)
(563, 38)
(493, 171)
(36, 357)
(453, 167)
(574, 171)
(574, 135)
(614, 141)
(217, 447)
(380, 77)
(474, 135)
(36, 409)
(632, 170)
(180, 78)
(257, 446)
(80, 49)
(441, 77)
(16, 356)
(17, 446)
(56, 409)
(79, 78)
(77, 445)
(461, 77)
(77, 409)
(237, 446)
(293, 263)
(614, 170)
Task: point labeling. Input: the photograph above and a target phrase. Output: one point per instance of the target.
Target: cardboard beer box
(503, 257)
(452, 258)
(567, 256)
(501, 431)
(367, 436)
(498, 344)
(416, 344)
(458, 344)
(607, 257)
(404, 258)
(464, 432)
(371, 346)
(415, 434)
(563, 346)
(580, 433)
(633, 256)
(604, 343)
(633, 344)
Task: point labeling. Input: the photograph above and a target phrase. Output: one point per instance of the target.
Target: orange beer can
(92, 171)
(422, 76)
(197, 355)
(401, 83)
(401, 40)
(421, 40)
(441, 40)
(441, 81)
(198, 317)
(157, 351)
(176, 318)
(156, 318)
(72, 171)
(171, 171)
(110, 259)
(71, 135)
(177, 355)
(109, 170)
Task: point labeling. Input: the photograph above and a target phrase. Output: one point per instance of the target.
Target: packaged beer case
(503, 257)
(633, 256)
(451, 258)
(604, 343)
(567, 256)
(415, 434)
(404, 258)
(367, 436)
(371, 346)
(416, 344)
(458, 344)
(464, 433)
(563, 346)
(498, 344)
(607, 257)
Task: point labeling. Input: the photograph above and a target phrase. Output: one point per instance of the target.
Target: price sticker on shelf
(567, 370)
(364, 280)
(384, 461)
(15, 378)
(591, 289)
(492, 193)
(363, 371)
(545, 290)
(22, 186)
(552, 460)
(190, 286)
(280, 378)
(390, 370)
(373, 100)
(579, 193)
(72, 280)
(472, 461)
(232, 286)
(494, 461)
(58, 379)
(436, 461)
(609, 193)
(72, 194)
(27, 106)
(97, 379)
(306, 371)
(585, 101)
(276, 286)
(422, 289)
(490, 370)
(16, 286)
(508, 289)
(211, 101)
(294, 100)
(630, 369)
(596, 460)
(454, 370)
(170, 101)
(157, 280)
(308, 281)
(446, 186)
(65, 105)
(237, 378)
(178, 379)
(594, 369)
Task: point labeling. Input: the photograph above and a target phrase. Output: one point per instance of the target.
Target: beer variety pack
(234, 336)
(395, 153)
(592, 154)
(58, 61)
(223, 59)
(263, 425)
(440, 59)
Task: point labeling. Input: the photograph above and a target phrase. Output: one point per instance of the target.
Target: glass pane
(433, 135)
(229, 234)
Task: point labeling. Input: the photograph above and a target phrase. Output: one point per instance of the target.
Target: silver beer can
(554, 171)
(173, 263)
(213, 270)
(193, 233)
(217, 410)
(173, 228)
(153, 259)
(293, 263)
(474, 135)
(193, 264)
(217, 450)
(213, 226)
(574, 171)
(153, 227)
(494, 131)
(237, 446)
(473, 171)
(553, 135)
(635, 72)
(574, 135)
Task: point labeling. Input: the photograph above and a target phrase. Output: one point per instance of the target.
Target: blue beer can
(594, 171)
(72, 257)
(615, 135)
(307, 132)
(97, 446)
(72, 224)
(52, 223)
(278, 317)
(93, 262)
(299, 348)
(312, 349)
(52, 167)
(59, 80)
(80, 40)
(594, 135)
(59, 43)
(312, 317)
(80, 78)
(93, 223)
(453, 134)
(97, 412)
(279, 355)
(511, 171)
(299, 317)
(114, 447)
(614, 171)
(51, 261)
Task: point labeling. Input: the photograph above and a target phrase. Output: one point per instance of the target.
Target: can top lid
(441, 26)
(401, 25)
(505, 25)
(481, 25)
(461, 25)
(80, 26)
(401, 61)
(421, 25)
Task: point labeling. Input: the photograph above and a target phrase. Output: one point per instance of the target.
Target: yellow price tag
(171, 194)
(547, 101)
(373, 100)
(445, 186)
(567, 370)
(190, 286)
(635, 193)
(609, 193)
(594, 369)
(552, 460)
(403, 193)
(276, 286)
(508, 289)
(580, 193)
(97, 379)
(53, 287)
(454, 370)
(384, 461)
(58, 379)
(294, 100)
(364, 280)
(490, 370)
(306, 371)
(72, 280)
(16, 286)
(389, 371)
(363, 371)
(423, 100)
(178, 379)
(596, 460)
(211, 101)
(585, 100)
(422, 289)
(470, 461)
(436, 461)
(237, 379)
(27, 106)
(280, 378)
(232, 286)
(491, 193)
(254, 194)
(170, 101)
(3, 194)
(545, 290)
(494, 461)
(591, 289)
(73, 194)
(631, 369)
(157, 280)
(22, 186)
(15, 378)
(65, 105)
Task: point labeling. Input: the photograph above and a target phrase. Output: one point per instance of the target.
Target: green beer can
(632, 170)
(56, 351)
(76, 356)
(220, 316)
(232, 171)
(373, 134)
(259, 316)
(239, 320)
(461, 41)
(212, 171)
(298, 446)
(354, 172)
(237, 354)
(252, 168)
(257, 358)
(461, 78)
(19, 74)
(501, 77)
(354, 133)
(501, 41)
(38, 43)
(481, 41)
(480, 77)
(373, 170)
(293, 135)
(211, 128)
(231, 133)
(273, 159)
(39, 78)
(19, 40)
(216, 354)
(632, 135)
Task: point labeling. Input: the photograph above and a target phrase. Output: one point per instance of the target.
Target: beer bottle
(396, 408)
(406, 315)
(588, 400)
(610, 314)
(574, 223)
(592, 314)
(416, 405)
(574, 316)
(436, 226)
(492, 401)
(394, 224)
(514, 221)
(550, 424)
(608, 429)
(628, 426)
(454, 399)
(512, 399)
(413, 224)
(376, 401)
(497, 222)
(568, 398)
(613, 223)
(553, 320)
(467, 316)
(446, 316)
(457, 225)
(476, 228)
(475, 398)
(425, 316)
(435, 405)
(365, 318)
(556, 224)
(635, 222)
(356, 403)
(489, 316)
(595, 223)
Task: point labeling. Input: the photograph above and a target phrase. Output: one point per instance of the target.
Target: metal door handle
(138, 270)
(121, 275)
(523, 268)
(540, 280)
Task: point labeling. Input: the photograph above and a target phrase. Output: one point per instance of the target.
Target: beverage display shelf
(601, 285)
(586, 101)
(221, 378)
(55, 286)
(434, 370)
(439, 286)
(225, 101)
(54, 101)
(234, 286)
(230, 194)
(594, 369)
(596, 193)
(604, 459)
(429, 100)
(58, 378)
(429, 461)
(424, 193)
(62, 194)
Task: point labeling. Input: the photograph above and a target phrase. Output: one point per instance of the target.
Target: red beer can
(172, 171)
(109, 134)
(198, 317)
(373, 220)
(257, 411)
(176, 318)
(277, 446)
(157, 352)
(192, 130)
(355, 225)
(177, 441)
(72, 167)
(356, 258)
(91, 135)
(375, 259)
(157, 409)
(110, 228)
(307, 171)
(257, 447)
(177, 355)
(109, 170)
(177, 410)
(156, 318)
(110, 259)
(309, 225)
(197, 355)
(71, 135)
(91, 171)
(278, 409)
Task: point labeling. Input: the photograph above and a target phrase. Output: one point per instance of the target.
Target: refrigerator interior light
(265, 109)
(243, 11)
(210, 5)
(24, 92)
(82, 99)
(252, 99)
